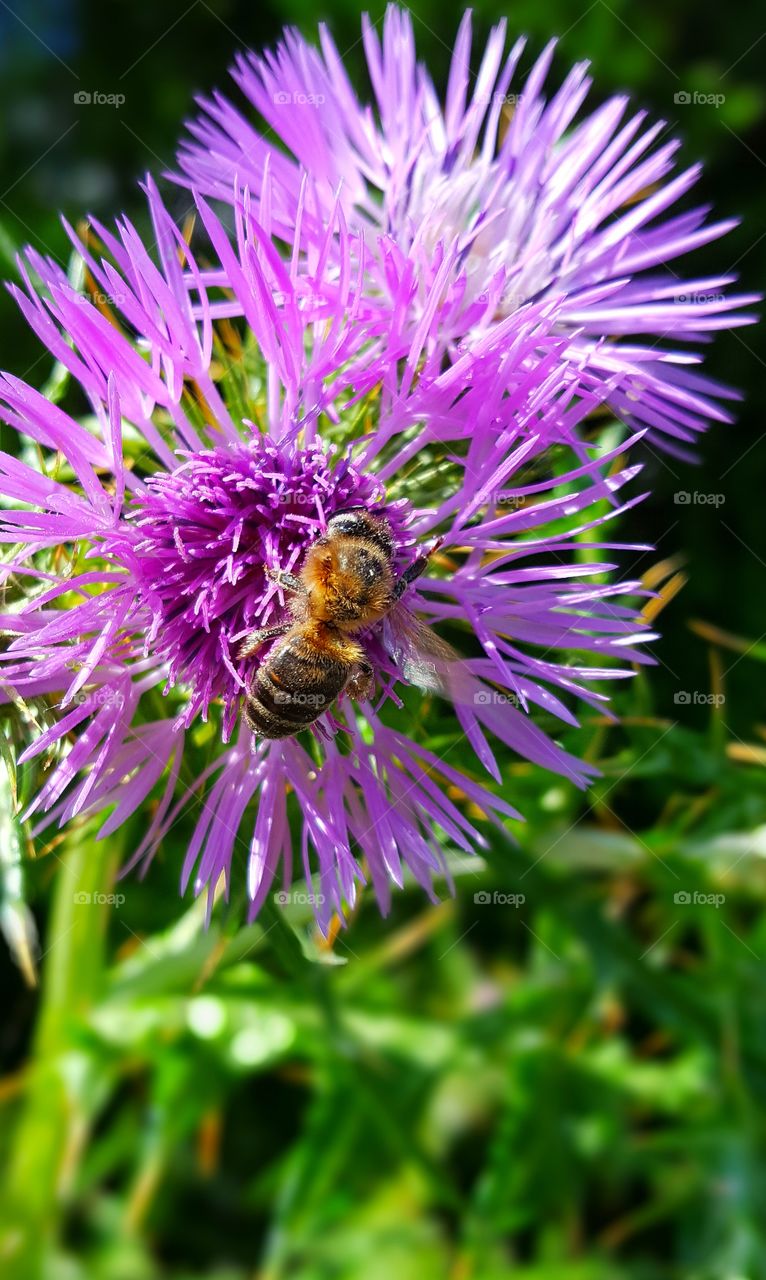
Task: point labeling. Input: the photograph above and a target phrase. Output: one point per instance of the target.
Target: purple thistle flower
(145, 548)
(534, 205)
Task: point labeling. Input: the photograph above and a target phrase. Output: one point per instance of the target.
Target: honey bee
(347, 583)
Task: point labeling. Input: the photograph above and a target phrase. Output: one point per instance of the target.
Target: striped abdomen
(300, 679)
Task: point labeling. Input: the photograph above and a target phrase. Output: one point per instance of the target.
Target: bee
(348, 582)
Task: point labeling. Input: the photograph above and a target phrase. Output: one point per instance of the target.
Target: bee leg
(361, 684)
(417, 567)
(287, 581)
(252, 643)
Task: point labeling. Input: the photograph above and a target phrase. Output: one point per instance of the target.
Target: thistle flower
(212, 453)
(539, 206)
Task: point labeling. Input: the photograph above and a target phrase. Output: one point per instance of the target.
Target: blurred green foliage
(568, 1087)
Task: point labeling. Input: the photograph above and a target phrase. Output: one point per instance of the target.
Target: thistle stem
(54, 1119)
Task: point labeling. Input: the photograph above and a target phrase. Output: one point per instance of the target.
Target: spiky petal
(542, 201)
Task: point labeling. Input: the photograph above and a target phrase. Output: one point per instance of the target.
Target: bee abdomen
(265, 724)
(292, 689)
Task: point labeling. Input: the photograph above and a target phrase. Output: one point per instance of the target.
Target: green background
(568, 1089)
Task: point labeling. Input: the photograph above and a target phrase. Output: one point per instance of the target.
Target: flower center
(202, 536)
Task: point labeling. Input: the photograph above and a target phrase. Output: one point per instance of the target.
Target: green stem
(52, 1126)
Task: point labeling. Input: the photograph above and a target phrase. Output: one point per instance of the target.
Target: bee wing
(423, 658)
